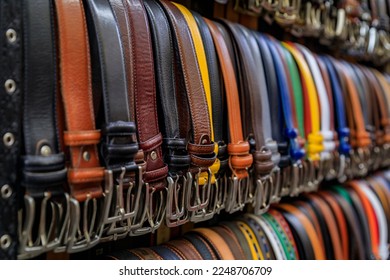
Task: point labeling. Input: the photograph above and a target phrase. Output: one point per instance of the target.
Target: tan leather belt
(222, 248)
(85, 175)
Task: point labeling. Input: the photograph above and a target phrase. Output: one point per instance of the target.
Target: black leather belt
(44, 173)
(10, 115)
(119, 144)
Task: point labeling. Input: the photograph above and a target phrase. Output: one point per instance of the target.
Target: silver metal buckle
(153, 217)
(198, 199)
(358, 162)
(294, 186)
(216, 203)
(117, 223)
(263, 195)
(276, 178)
(85, 232)
(235, 195)
(47, 239)
(176, 193)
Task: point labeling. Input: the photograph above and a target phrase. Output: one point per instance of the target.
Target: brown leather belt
(85, 175)
(195, 120)
(360, 139)
(222, 248)
(143, 89)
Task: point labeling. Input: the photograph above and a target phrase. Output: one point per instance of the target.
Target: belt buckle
(276, 178)
(153, 217)
(118, 222)
(175, 217)
(376, 157)
(198, 199)
(29, 248)
(311, 183)
(334, 164)
(385, 155)
(294, 181)
(285, 176)
(358, 163)
(216, 202)
(221, 193)
(235, 196)
(85, 235)
(263, 195)
(286, 15)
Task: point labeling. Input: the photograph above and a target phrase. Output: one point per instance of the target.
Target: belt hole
(153, 155)
(6, 191)
(86, 156)
(45, 150)
(8, 139)
(10, 86)
(5, 241)
(11, 35)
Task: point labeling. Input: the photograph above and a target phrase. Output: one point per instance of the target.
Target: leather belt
(143, 89)
(273, 239)
(85, 176)
(354, 225)
(175, 154)
(382, 251)
(239, 158)
(218, 116)
(201, 246)
(333, 168)
(200, 146)
(342, 128)
(11, 123)
(261, 193)
(278, 217)
(296, 153)
(186, 248)
(275, 116)
(331, 225)
(44, 173)
(306, 208)
(314, 138)
(359, 137)
(208, 212)
(119, 145)
(251, 240)
(232, 240)
(301, 237)
(327, 134)
(288, 249)
(233, 227)
(166, 253)
(298, 170)
(305, 222)
(217, 242)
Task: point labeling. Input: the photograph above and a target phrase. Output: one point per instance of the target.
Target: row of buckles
(46, 205)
